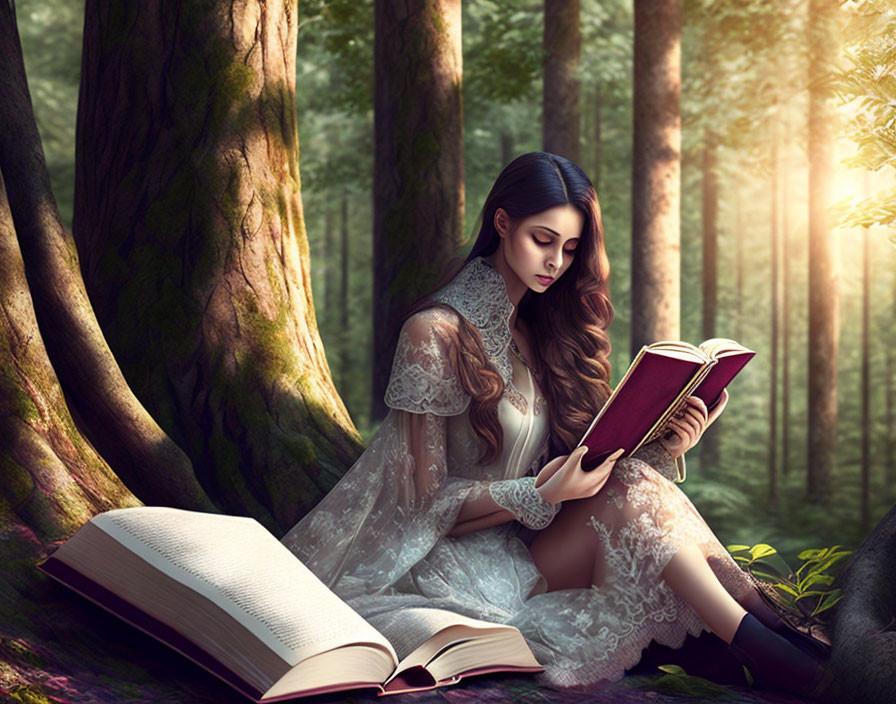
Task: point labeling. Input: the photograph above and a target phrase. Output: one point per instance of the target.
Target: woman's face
(540, 248)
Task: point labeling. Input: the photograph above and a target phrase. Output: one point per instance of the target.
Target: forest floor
(139, 669)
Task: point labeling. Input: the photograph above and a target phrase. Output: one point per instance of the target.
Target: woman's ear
(502, 222)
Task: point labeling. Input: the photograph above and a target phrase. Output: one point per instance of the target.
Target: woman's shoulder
(424, 377)
(436, 320)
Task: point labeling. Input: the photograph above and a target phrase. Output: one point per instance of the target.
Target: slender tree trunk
(785, 316)
(775, 317)
(343, 293)
(331, 265)
(890, 394)
(197, 256)
(507, 153)
(823, 290)
(739, 264)
(865, 514)
(418, 175)
(709, 442)
(598, 139)
(560, 94)
(656, 173)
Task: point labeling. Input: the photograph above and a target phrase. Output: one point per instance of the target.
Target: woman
(455, 505)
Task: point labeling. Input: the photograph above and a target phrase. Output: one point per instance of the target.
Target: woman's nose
(555, 258)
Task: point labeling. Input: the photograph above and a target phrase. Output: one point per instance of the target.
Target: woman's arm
(479, 511)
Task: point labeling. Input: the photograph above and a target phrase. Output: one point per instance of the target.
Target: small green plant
(806, 593)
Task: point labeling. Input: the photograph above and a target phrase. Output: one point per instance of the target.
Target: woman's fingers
(719, 407)
(550, 469)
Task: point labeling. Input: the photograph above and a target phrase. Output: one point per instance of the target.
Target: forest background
(744, 105)
(187, 151)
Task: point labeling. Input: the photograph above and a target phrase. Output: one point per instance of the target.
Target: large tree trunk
(188, 209)
(863, 659)
(106, 410)
(418, 175)
(709, 442)
(560, 94)
(55, 646)
(656, 173)
(823, 293)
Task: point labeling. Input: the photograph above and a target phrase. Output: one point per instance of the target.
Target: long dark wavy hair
(569, 320)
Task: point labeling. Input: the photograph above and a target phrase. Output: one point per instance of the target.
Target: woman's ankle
(754, 604)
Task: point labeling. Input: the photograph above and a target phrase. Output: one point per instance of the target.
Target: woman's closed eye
(545, 243)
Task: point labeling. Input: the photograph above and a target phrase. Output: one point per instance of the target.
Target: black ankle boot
(774, 662)
(754, 602)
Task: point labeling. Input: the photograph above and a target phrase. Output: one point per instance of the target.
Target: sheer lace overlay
(379, 538)
(521, 498)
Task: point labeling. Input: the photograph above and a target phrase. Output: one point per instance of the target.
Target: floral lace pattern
(380, 539)
(521, 498)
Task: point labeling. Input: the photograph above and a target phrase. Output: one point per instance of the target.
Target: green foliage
(806, 593)
(866, 88)
(676, 682)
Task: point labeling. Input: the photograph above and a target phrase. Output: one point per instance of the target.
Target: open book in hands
(227, 594)
(654, 388)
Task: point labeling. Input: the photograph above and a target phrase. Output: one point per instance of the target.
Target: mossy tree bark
(560, 95)
(188, 211)
(100, 399)
(54, 646)
(656, 173)
(418, 163)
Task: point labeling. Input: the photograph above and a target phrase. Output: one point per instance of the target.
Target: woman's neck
(515, 287)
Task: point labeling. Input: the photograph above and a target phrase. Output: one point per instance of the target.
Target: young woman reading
(469, 499)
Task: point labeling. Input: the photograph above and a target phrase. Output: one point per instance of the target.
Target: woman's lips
(544, 280)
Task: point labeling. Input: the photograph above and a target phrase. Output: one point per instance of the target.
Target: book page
(242, 568)
(410, 628)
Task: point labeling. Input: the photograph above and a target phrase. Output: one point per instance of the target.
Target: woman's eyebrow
(556, 234)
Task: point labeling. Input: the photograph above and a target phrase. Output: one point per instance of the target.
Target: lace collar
(479, 294)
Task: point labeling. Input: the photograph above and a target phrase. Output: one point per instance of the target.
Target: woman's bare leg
(691, 578)
(569, 553)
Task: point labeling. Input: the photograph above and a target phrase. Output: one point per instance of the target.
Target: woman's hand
(689, 424)
(563, 478)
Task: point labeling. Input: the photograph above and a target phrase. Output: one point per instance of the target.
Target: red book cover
(654, 387)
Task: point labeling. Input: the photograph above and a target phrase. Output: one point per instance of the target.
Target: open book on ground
(227, 594)
(655, 387)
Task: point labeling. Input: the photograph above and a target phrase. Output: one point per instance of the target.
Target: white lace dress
(378, 539)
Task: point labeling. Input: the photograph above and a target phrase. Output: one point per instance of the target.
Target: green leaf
(673, 669)
(737, 548)
(765, 576)
(762, 550)
(830, 561)
(812, 552)
(812, 592)
(828, 602)
(788, 589)
(815, 578)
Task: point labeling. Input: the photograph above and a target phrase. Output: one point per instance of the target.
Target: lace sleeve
(398, 499)
(654, 454)
(423, 378)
